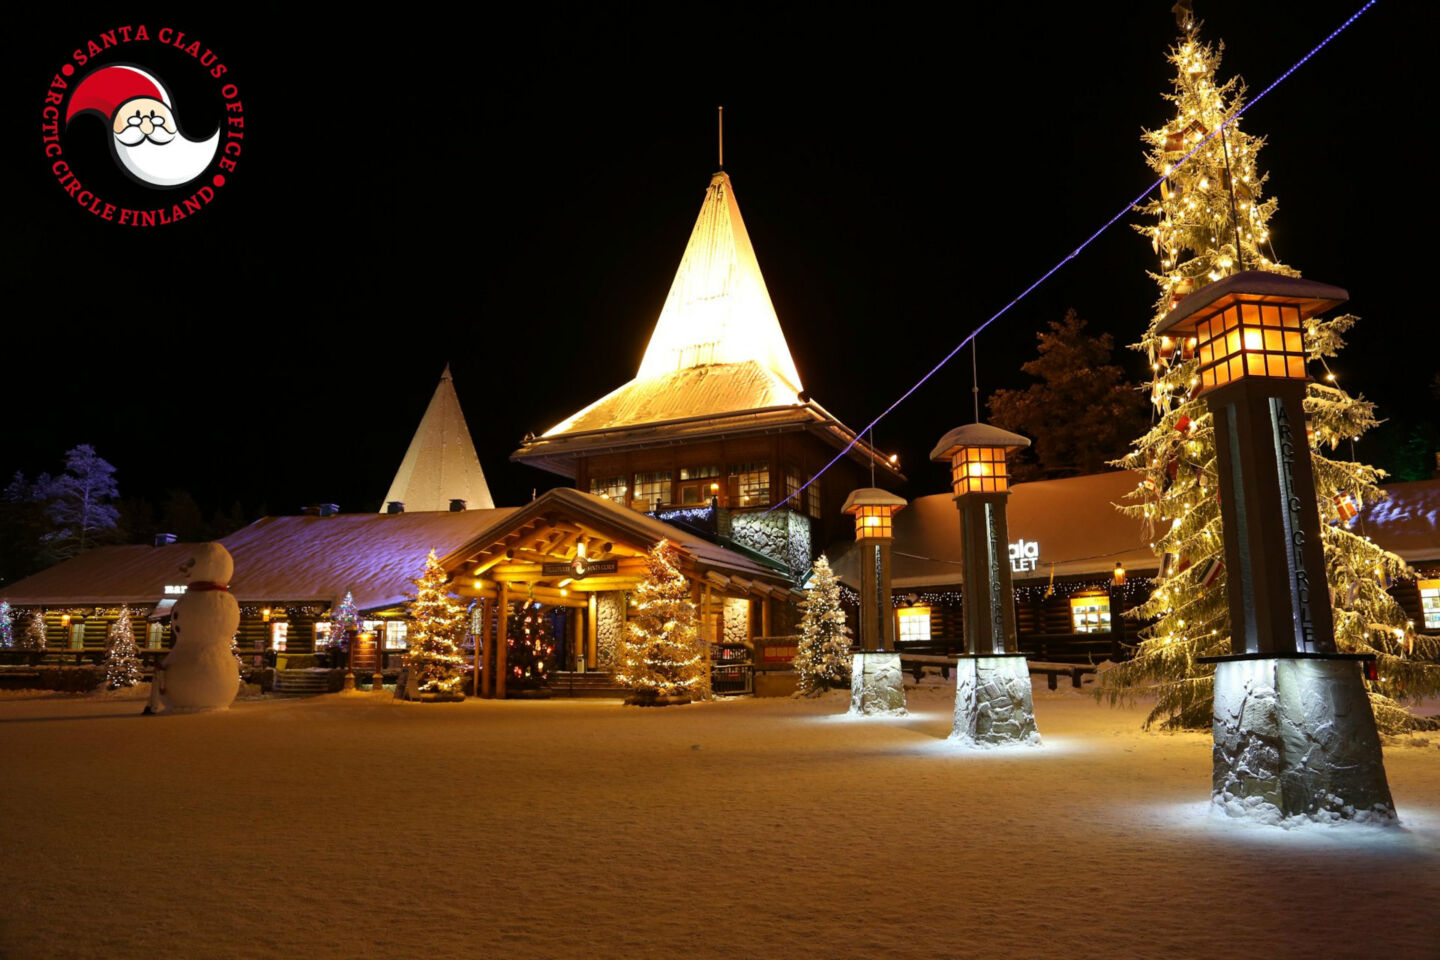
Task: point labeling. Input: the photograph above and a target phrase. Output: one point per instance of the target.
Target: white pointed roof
(718, 310)
(441, 464)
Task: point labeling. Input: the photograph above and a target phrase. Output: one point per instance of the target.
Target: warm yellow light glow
(1253, 340)
(979, 470)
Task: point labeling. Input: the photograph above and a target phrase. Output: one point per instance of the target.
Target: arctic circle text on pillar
(120, 77)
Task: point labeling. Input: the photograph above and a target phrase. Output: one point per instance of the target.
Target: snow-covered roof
(718, 309)
(1406, 521)
(276, 558)
(440, 464)
(1082, 534)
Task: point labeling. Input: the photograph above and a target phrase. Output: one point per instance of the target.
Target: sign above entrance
(579, 568)
(1024, 556)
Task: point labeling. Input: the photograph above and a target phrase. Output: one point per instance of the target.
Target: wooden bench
(917, 662)
(1053, 671)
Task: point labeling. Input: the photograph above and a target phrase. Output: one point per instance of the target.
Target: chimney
(329, 509)
(457, 505)
(395, 506)
(165, 539)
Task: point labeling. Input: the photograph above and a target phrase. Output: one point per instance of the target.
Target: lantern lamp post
(993, 703)
(1293, 727)
(877, 683)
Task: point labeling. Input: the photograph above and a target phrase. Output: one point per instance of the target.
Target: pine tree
(7, 626)
(530, 653)
(122, 660)
(822, 657)
(1194, 233)
(663, 654)
(34, 638)
(79, 503)
(1080, 414)
(434, 657)
(344, 620)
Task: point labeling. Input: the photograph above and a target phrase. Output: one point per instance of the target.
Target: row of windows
(1087, 615)
(741, 485)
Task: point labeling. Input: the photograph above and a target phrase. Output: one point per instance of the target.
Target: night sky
(512, 196)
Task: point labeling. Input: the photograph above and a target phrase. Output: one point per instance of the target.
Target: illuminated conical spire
(441, 464)
(718, 310)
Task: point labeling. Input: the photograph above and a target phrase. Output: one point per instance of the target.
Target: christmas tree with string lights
(33, 637)
(530, 653)
(122, 660)
(822, 657)
(7, 626)
(1211, 219)
(438, 623)
(344, 622)
(663, 658)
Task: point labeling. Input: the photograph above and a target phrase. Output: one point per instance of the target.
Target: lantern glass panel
(872, 523)
(979, 470)
(1253, 339)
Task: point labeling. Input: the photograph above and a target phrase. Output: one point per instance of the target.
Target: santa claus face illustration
(145, 133)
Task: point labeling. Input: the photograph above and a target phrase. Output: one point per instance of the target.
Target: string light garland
(663, 654)
(869, 428)
(434, 656)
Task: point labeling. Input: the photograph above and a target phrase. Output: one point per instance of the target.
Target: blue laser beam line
(1073, 254)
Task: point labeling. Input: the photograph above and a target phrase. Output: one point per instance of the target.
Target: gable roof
(440, 464)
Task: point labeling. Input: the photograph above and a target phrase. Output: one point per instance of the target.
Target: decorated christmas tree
(822, 657)
(434, 659)
(1210, 220)
(343, 621)
(122, 660)
(7, 626)
(530, 648)
(663, 658)
(33, 637)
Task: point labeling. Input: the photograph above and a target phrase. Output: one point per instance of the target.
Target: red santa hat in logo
(144, 133)
(107, 88)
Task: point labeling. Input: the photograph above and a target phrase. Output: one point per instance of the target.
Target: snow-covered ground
(355, 826)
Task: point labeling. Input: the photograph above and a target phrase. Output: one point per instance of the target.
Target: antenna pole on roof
(975, 380)
(720, 118)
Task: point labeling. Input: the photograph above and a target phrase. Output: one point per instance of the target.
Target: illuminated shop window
(279, 634)
(1430, 603)
(154, 634)
(77, 635)
(611, 487)
(651, 488)
(396, 632)
(322, 634)
(914, 624)
(750, 484)
(698, 485)
(1090, 614)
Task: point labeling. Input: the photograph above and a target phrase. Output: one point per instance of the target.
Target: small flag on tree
(1212, 571)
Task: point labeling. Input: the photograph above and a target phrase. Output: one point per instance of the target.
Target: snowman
(200, 672)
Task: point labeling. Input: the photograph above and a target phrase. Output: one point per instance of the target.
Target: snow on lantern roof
(718, 309)
(977, 435)
(1315, 297)
(872, 497)
(440, 464)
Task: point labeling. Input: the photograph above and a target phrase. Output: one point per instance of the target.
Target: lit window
(611, 487)
(812, 500)
(1090, 614)
(154, 634)
(699, 473)
(279, 633)
(1430, 603)
(651, 488)
(322, 634)
(77, 635)
(750, 484)
(914, 624)
(395, 635)
(792, 487)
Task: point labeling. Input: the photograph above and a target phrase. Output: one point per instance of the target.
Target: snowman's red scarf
(207, 585)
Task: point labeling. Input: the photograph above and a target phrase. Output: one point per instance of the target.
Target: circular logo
(114, 136)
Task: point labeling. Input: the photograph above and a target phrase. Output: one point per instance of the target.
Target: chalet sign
(579, 568)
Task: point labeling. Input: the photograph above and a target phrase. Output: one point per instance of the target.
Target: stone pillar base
(349, 681)
(993, 704)
(1295, 736)
(877, 685)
